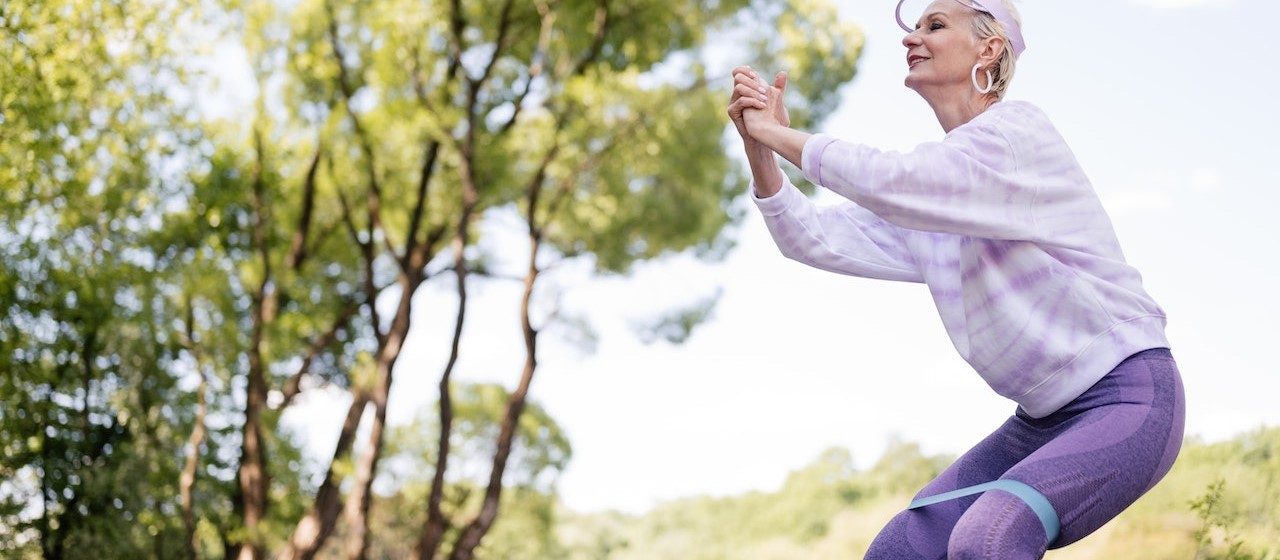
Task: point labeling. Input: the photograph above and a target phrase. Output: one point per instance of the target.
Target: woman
(1001, 223)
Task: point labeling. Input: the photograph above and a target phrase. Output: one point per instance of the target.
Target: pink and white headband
(993, 7)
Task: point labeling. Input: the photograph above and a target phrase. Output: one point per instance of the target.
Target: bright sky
(1170, 108)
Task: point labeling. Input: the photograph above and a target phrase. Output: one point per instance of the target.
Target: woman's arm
(843, 238)
(768, 126)
(967, 184)
(750, 93)
(787, 142)
(765, 174)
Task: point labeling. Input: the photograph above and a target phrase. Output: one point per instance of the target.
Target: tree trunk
(433, 529)
(188, 479)
(356, 508)
(470, 537)
(252, 474)
(357, 503)
(318, 523)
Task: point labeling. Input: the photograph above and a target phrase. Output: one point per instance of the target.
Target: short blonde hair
(985, 26)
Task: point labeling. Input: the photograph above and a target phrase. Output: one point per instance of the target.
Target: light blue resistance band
(1039, 504)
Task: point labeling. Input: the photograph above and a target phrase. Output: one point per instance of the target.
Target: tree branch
(535, 188)
(293, 385)
(187, 479)
(535, 61)
(319, 238)
(419, 207)
(374, 196)
(597, 38)
(298, 247)
(426, 251)
(567, 184)
(366, 250)
(504, 26)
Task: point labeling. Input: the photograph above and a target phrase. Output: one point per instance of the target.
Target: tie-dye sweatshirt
(1001, 223)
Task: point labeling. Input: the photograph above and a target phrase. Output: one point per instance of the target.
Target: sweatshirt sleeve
(842, 238)
(966, 184)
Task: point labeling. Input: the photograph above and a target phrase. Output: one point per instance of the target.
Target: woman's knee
(891, 540)
(999, 526)
(907, 537)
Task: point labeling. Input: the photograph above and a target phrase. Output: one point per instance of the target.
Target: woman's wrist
(783, 140)
(765, 172)
(757, 149)
(765, 134)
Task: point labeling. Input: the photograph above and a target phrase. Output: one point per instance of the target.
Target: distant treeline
(1221, 500)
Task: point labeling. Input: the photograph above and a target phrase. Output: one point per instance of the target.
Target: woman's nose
(910, 40)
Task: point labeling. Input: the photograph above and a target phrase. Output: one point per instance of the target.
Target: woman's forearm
(787, 142)
(765, 170)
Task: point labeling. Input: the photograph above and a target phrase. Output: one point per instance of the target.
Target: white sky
(1170, 108)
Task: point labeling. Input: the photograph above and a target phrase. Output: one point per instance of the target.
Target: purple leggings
(1091, 458)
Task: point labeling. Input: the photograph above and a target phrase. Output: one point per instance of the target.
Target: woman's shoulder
(1004, 117)
(1018, 111)
(1019, 122)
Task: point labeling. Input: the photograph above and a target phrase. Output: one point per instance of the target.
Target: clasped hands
(756, 105)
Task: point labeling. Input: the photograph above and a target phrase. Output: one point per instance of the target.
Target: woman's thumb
(780, 81)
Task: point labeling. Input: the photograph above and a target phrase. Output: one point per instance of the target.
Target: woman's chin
(917, 82)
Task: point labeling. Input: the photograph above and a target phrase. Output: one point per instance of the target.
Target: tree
(448, 109)
(272, 284)
(596, 192)
(172, 282)
(90, 415)
(541, 452)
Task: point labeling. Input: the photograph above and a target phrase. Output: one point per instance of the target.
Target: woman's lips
(916, 61)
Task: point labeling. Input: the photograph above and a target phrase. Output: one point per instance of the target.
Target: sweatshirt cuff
(779, 202)
(811, 156)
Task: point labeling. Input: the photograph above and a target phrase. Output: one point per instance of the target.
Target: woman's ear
(992, 48)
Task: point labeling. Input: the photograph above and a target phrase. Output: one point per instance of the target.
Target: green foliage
(903, 468)
(648, 191)
(801, 517)
(92, 419)
(144, 244)
(1210, 510)
(1218, 501)
(541, 452)
(677, 326)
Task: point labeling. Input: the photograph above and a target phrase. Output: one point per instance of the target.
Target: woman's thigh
(1102, 459)
(923, 532)
(1091, 459)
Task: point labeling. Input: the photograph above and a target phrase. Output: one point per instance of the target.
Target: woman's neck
(955, 110)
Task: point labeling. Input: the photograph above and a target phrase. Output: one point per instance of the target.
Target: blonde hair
(985, 26)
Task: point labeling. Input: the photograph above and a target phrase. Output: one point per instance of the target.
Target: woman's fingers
(743, 90)
(736, 108)
(746, 71)
(744, 75)
(752, 82)
(743, 103)
(752, 92)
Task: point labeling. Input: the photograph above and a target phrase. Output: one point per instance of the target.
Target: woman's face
(942, 50)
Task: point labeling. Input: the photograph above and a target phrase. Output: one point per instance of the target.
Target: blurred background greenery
(173, 280)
